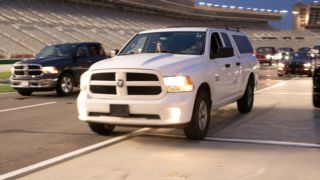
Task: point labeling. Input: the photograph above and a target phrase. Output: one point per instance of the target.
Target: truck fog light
(178, 83)
(175, 114)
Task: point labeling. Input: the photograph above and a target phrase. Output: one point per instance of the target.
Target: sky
(286, 23)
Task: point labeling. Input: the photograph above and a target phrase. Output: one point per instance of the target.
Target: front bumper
(171, 109)
(36, 84)
(295, 71)
(264, 60)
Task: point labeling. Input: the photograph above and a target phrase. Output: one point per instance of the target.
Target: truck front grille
(144, 90)
(103, 77)
(141, 77)
(103, 89)
(129, 84)
(27, 70)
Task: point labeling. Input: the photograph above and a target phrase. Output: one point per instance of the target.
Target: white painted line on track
(274, 86)
(7, 93)
(264, 142)
(304, 94)
(25, 107)
(72, 154)
(248, 141)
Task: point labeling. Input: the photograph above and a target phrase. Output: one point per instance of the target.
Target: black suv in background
(57, 67)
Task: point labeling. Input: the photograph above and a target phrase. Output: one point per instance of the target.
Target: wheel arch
(205, 87)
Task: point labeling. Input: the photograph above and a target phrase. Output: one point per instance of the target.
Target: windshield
(56, 51)
(304, 49)
(191, 43)
(266, 50)
(286, 49)
(299, 56)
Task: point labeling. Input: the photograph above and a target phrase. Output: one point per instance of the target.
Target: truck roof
(186, 29)
(75, 43)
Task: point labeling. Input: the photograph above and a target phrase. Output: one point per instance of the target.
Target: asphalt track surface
(280, 136)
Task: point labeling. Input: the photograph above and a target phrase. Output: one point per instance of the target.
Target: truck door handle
(238, 63)
(227, 65)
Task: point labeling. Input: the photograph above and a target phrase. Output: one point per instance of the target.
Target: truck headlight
(268, 56)
(84, 81)
(178, 84)
(307, 65)
(49, 70)
(12, 70)
(281, 65)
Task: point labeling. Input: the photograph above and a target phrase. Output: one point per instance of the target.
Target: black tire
(65, 84)
(280, 75)
(316, 99)
(245, 104)
(270, 63)
(24, 93)
(102, 129)
(197, 128)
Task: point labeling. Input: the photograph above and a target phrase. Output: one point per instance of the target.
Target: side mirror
(224, 52)
(114, 52)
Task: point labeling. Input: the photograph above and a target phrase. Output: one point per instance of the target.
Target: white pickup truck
(169, 77)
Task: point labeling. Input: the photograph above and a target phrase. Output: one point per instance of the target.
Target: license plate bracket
(119, 110)
(24, 83)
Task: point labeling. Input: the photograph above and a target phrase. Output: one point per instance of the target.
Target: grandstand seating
(28, 26)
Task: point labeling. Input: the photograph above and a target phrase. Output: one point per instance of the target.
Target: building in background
(306, 16)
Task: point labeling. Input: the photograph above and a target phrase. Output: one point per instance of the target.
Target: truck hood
(164, 62)
(48, 61)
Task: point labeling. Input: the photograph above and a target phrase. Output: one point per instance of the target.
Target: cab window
(226, 40)
(215, 44)
(82, 51)
(95, 50)
(243, 44)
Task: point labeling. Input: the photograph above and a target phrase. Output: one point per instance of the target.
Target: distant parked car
(57, 67)
(316, 85)
(297, 64)
(266, 54)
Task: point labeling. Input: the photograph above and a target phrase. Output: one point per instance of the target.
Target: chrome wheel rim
(66, 84)
(203, 115)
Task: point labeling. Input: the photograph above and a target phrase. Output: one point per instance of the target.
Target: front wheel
(65, 85)
(246, 102)
(197, 128)
(102, 129)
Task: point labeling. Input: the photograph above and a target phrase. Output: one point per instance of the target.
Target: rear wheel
(65, 85)
(246, 102)
(24, 92)
(103, 129)
(197, 128)
(270, 63)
